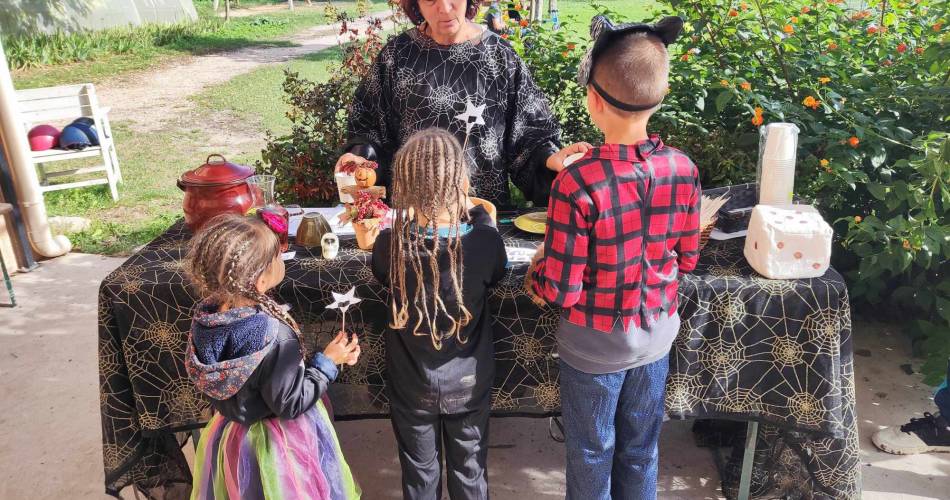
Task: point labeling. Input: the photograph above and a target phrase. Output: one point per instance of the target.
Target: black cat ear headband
(603, 33)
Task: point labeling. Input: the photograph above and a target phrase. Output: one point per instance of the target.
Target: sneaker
(930, 434)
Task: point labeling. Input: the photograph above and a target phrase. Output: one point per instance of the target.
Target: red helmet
(43, 137)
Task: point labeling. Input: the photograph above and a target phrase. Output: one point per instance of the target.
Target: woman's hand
(556, 161)
(342, 350)
(347, 158)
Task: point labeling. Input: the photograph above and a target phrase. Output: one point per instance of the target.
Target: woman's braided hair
(227, 256)
(429, 177)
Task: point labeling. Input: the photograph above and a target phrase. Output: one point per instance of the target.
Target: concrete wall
(18, 17)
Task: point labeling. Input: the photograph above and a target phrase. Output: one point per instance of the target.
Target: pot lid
(215, 172)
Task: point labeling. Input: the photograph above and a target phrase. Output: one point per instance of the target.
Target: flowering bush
(366, 206)
(868, 89)
(303, 160)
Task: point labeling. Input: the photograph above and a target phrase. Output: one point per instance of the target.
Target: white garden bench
(59, 106)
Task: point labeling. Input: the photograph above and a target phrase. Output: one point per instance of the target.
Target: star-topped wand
(343, 301)
(472, 116)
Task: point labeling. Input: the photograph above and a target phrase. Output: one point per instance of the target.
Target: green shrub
(303, 160)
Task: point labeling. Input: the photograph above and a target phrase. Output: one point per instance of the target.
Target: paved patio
(50, 438)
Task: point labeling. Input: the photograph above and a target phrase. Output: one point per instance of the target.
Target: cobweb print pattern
(749, 348)
(416, 84)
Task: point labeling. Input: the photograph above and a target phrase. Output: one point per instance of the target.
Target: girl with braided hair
(438, 261)
(271, 436)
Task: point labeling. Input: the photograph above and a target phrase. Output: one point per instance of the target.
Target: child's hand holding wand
(529, 281)
(343, 350)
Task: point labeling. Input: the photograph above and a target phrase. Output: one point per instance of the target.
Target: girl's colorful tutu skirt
(272, 459)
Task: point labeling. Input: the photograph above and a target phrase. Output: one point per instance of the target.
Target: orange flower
(863, 14)
(724, 83)
(517, 6)
(901, 48)
(824, 163)
(806, 9)
(571, 46)
(685, 57)
(757, 119)
(746, 86)
(937, 26)
(886, 62)
(524, 23)
(794, 20)
(872, 29)
(832, 46)
(744, 6)
(858, 219)
(504, 35)
(733, 13)
(853, 141)
(823, 80)
(919, 50)
(811, 102)
(564, 54)
(788, 29)
(906, 245)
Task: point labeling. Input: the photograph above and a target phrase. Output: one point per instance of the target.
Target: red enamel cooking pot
(216, 187)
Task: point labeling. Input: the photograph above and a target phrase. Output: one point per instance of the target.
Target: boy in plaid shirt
(623, 222)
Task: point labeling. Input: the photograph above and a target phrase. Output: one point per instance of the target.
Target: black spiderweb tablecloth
(750, 348)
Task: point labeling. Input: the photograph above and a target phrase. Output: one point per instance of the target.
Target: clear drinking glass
(262, 190)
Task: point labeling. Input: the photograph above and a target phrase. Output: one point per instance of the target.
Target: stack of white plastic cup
(777, 167)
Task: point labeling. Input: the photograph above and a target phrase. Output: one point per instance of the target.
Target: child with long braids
(270, 436)
(438, 261)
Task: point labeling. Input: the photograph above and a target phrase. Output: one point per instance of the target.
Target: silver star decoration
(343, 301)
(471, 111)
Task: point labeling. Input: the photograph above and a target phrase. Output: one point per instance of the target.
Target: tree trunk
(227, 10)
(291, 3)
(215, 4)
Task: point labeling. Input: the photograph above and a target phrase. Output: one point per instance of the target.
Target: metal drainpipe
(25, 182)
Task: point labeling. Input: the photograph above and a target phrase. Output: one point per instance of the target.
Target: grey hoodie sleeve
(292, 387)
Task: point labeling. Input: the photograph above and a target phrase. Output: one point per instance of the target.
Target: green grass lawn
(266, 29)
(258, 97)
(575, 15)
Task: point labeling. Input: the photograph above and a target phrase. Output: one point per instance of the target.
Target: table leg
(195, 437)
(745, 480)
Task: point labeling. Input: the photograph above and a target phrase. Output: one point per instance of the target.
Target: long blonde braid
(429, 174)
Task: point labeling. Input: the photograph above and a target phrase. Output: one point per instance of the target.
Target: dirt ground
(148, 100)
(50, 437)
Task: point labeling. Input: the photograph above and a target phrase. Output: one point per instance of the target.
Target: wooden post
(291, 3)
(227, 10)
(215, 4)
(536, 6)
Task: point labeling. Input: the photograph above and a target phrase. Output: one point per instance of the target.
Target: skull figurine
(330, 243)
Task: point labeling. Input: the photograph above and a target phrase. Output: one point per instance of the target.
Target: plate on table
(533, 222)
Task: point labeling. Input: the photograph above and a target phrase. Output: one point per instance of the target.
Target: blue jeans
(611, 428)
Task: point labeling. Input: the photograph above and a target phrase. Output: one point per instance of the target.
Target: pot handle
(223, 159)
(179, 184)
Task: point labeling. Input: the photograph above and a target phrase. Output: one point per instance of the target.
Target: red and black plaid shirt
(622, 222)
